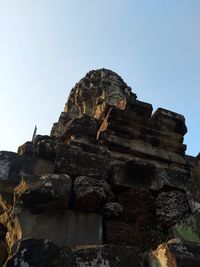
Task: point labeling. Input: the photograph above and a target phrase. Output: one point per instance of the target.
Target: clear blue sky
(46, 46)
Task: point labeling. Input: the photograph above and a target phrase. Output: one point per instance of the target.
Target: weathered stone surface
(46, 147)
(194, 193)
(172, 178)
(175, 253)
(39, 253)
(169, 121)
(188, 228)
(10, 166)
(108, 154)
(96, 91)
(63, 227)
(91, 193)
(133, 173)
(138, 205)
(140, 137)
(59, 127)
(171, 207)
(89, 164)
(136, 225)
(43, 253)
(13, 166)
(142, 236)
(37, 192)
(108, 256)
(11, 224)
(27, 148)
(113, 210)
(85, 126)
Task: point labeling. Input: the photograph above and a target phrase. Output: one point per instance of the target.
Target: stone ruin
(110, 186)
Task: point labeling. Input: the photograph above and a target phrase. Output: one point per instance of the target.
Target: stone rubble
(111, 186)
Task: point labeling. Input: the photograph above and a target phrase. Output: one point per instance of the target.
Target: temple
(110, 186)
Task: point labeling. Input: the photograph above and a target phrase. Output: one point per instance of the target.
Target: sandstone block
(132, 173)
(13, 166)
(36, 192)
(65, 228)
(167, 120)
(76, 162)
(175, 253)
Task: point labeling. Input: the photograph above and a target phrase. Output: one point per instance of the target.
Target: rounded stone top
(98, 90)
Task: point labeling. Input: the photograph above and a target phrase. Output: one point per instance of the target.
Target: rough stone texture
(38, 253)
(37, 192)
(41, 253)
(194, 194)
(136, 225)
(89, 164)
(138, 205)
(171, 178)
(108, 256)
(113, 210)
(90, 194)
(175, 253)
(85, 126)
(13, 166)
(108, 90)
(112, 171)
(171, 207)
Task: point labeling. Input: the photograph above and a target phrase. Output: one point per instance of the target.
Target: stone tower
(110, 186)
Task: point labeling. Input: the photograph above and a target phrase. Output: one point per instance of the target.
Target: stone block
(168, 121)
(43, 253)
(38, 253)
(13, 165)
(37, 192)
(46, 147)
(171, 207)
(27, 148)
(136, 225)
(133, 173)
(90, 194)
(138, 206)
(175, 253)
(83, 126)
(76, 162)
(63, 227)
(142, 236)
(42, 166)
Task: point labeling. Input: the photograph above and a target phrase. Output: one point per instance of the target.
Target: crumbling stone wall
(106, 188)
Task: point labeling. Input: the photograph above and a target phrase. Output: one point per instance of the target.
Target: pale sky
(46, 46)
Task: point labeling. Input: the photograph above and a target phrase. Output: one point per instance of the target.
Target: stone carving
(109, 185)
